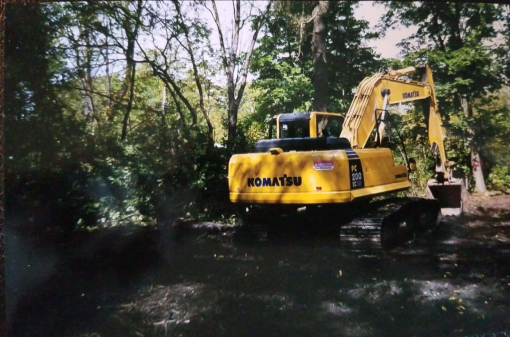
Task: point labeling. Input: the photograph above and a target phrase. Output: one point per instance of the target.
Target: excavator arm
(368, 110)
(369, 107)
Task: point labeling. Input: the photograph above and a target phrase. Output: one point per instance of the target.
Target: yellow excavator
(335, 165)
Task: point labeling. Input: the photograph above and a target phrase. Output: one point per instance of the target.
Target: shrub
(499, 178)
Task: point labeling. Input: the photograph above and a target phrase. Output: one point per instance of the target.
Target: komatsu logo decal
(411, 94)
(401, 175)
(275, 181)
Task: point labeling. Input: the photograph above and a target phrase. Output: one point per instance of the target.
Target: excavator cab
(294, 125)
(304, 131)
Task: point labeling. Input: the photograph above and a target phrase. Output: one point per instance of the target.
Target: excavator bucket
(452, 195)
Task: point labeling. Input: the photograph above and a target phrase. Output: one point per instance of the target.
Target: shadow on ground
(454, 282)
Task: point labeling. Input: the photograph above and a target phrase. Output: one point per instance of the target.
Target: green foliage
(286, 89)
(409, 131)
(503, 50)
(466, 69)
(66, 170)
(66, 167)
(32, 109)
(499, 178)
(283, 60)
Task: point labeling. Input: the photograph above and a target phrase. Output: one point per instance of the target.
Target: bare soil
(199, 281)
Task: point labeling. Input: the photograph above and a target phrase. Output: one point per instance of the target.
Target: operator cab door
(273, 128)
(327, 125)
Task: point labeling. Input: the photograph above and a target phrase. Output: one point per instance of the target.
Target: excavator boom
(368, 110)
(376, 92)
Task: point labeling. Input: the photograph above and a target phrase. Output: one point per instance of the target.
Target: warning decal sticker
(323, 165)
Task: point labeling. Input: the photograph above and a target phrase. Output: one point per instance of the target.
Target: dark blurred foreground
(199, 281)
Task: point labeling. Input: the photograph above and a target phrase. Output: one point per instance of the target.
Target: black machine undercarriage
(362, 225)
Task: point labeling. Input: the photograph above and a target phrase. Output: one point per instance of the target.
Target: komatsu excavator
(314, 160)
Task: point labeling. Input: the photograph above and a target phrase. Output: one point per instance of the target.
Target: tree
(464, 68)
(94, 32)
(504, 48)
(32, 105)
(184, 37)
(45, 144)
(320, 69)
(231, 57)
(284, 59)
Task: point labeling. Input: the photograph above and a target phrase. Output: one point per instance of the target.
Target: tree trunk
(232, 123)
(108, 77)
(320, 78)
(129, 106)
(131, 36)
(163, 105)
(89, 100)
(229, 64)
(476, 161)
(179, 111)
(198, 82)
(88, 109)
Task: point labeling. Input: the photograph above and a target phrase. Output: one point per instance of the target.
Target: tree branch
(250, 52)
(216, 18)
(195, 71)
(131, 42)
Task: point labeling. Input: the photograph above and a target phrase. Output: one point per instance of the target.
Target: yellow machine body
(283, 174)
(314, 177)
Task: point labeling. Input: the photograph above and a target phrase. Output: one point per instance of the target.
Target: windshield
(329, 126)
(295, 129)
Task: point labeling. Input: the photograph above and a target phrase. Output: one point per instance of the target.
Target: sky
(387, 45)
(367, 10)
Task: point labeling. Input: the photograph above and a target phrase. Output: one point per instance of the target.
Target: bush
(499, 178)
(51, 199)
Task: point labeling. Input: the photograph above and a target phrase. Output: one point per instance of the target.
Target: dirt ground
(202, 282)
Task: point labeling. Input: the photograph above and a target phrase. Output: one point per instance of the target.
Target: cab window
(329, 126)
(295, 129)
(272, 129)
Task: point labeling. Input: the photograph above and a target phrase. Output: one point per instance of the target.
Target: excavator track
(369, 228)
(389, 223)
